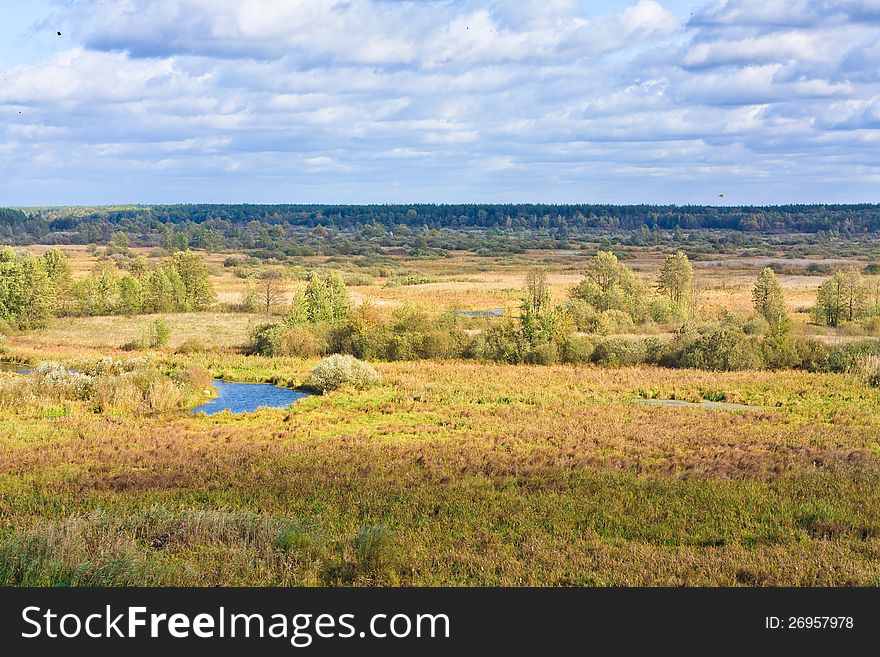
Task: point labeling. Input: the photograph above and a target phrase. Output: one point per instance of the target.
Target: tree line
(33, 289)
(213, 226)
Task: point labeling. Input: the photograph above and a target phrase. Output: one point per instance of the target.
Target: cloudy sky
(638, 101)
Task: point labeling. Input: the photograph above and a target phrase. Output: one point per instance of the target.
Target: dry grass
(482, 474)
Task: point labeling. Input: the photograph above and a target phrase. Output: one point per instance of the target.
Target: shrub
(134, 345)
(444, 343)
(723, 349)
(544, 353)
(301, 539)
(502, 343)
(655, 350)
(266, 339)
(664, 310)
(301, 342)
(158, 333)
(577, 349)
(614, 321)
(756, 325)
(847, 357)
(869, 369)
(779, 351)
(812, 354)
(375, 551)
(582, 314)
(617, 352)
(871, 325)
(339, 370)
(191, 346)
(403, 347)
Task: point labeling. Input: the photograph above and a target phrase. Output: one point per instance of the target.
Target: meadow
(450, 472)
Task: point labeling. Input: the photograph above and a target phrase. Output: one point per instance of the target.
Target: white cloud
(445, 100)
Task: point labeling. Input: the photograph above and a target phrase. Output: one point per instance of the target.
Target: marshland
(525, 405)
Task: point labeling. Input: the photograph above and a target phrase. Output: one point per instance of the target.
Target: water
(718, 406)
(494, 312)
(248, 397)
(18, 368)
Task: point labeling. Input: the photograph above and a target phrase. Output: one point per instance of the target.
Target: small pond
(718, 406)
(493, 312)
(248, 397)
(18, 368)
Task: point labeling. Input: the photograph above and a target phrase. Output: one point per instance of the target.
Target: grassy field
(449, 473)
(461, 473)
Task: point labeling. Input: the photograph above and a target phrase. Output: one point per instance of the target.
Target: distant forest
(296, 230)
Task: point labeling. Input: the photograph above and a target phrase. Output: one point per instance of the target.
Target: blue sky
(636, 101)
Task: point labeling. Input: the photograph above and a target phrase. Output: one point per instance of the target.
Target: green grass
(453, 474)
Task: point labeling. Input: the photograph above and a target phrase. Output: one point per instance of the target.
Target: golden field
(450, 472)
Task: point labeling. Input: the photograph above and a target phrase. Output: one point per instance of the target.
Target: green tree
(119, 243)
(325, 299)
(130, 296)
(193, 272)
(250, 298)
(677, 278)
(27, 297)
(842, 298)
(158, 294)
(107, 291)
(830, 301)
(610, 285)
(855, 295)
(768, 299)
(58, 269)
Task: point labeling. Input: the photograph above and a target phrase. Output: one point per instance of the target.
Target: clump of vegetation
(158, 333)
(868, 366)
(129, 385)
(325, 299)
(300, 538)
(340, 370)
(191, 346)
(376, 551)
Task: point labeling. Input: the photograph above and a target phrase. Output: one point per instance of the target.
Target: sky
(439, 101)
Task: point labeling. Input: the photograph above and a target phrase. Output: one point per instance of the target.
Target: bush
(301, 342)
(779, 351)
(134, 345)
(544, 353)
(664, 310)
(614, 321)
(723, 349)
(339, 370)
(158, 333)
(869, 369)
(655, 350)
(847, 357)
(812, 354)
(871, 325)
(577, 349)
(502, 343)
(191, 346)
(266, 339)
(618, 352)
(582, 314)
(376, 551)
(756, 325)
